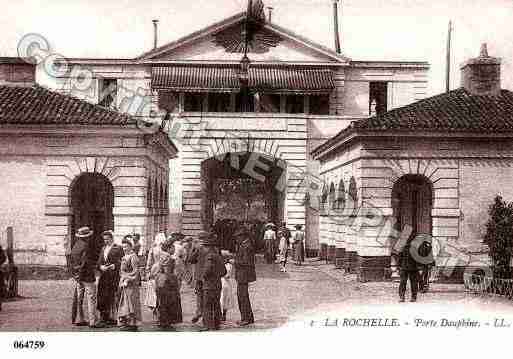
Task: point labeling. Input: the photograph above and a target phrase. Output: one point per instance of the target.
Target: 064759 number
(29, 344)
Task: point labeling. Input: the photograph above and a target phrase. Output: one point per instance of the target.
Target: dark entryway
(412, 198)
(232, 196)
(92, 201)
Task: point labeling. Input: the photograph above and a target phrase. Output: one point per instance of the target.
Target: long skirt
(169, 303)
(108, 294)
(211, 308)
(129, 307)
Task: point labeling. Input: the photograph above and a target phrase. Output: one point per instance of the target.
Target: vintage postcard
(336, 172)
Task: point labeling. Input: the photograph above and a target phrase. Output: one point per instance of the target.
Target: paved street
(310, 291)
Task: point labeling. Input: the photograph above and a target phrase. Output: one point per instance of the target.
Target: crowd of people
(278, 242)
(109, 281)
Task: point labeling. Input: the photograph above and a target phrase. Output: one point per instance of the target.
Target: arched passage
(241, 187)
(92, 203)
(412, 198)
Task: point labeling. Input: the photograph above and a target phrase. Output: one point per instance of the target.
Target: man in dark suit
(408, 270)
(212, 272)
(83, 263)
(244, 274)
(109, 262)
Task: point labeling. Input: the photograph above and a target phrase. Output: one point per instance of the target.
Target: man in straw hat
(82, 271)
(212, 272)
(244, 274)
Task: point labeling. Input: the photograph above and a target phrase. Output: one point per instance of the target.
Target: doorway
(92, 203)
(412, 198)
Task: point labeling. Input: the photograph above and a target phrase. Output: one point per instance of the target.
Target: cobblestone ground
(277, 298)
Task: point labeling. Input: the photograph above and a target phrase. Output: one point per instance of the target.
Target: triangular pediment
(221, 42)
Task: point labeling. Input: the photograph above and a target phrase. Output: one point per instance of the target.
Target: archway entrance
(236, 191)
(92, 201)
(412, 198)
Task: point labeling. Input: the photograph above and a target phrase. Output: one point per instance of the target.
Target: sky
(370, 29)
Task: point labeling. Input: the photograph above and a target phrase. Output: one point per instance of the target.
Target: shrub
(499, 237)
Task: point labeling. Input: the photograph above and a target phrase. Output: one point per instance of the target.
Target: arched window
(324, 197)
(341, 198)
(353, 194)
(332, 196)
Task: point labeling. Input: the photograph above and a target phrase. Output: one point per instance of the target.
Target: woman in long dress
(150, 299)
(283, 249)
(167, 288)
(129, 308)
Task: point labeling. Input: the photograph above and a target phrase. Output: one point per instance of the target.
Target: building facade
(66, 163)
(257, 108)
(431, 167)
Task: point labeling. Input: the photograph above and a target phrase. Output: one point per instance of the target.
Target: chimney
(482, 75)
(155, 33)
(269, 13)
(335, 26)
(17, 71)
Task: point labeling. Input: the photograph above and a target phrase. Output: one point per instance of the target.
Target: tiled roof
(37, 105)
(225, 78)
(457, 110)
(454, 111)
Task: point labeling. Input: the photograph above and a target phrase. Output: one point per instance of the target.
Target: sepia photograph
(322, 169)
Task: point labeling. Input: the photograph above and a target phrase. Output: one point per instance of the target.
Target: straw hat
(84, 232)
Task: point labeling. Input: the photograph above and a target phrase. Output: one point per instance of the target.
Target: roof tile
(38, 105)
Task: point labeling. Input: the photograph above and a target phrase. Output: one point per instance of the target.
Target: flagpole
(448, 59)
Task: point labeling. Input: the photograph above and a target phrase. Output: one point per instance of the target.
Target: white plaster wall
(22, 203)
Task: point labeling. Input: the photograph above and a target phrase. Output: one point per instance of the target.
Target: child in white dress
(227, 298)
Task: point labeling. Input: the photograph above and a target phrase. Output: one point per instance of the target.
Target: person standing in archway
(408, 270)
(245, 273)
